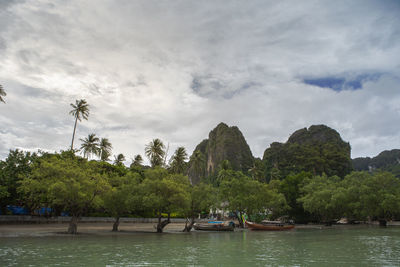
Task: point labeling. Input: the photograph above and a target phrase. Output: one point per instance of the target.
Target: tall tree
(165, 193)
(80, 111)
(90, 145)
(105, 149)
(370, 196)
(119, 159)
(257, 171)
(123, 197)
(17, 165)
(68, 182)
(2, 93)
(320, 198)
(202, 198)
(242, 194)
(178, 160)
(291, 187)
(137, 161)
(197, 166)
(155, 151)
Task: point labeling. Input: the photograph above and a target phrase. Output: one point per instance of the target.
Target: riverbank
(104, 229)
(99, 228)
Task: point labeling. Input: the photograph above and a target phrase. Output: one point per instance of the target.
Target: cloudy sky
(174, 69)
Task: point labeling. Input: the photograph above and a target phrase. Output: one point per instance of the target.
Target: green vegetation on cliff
(388, 160)
(318, 150)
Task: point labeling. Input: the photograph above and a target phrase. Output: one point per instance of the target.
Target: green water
(337, 246)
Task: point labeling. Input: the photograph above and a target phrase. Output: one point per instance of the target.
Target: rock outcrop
(318, 149)
(223, 143)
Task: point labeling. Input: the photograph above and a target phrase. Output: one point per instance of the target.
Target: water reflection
(337, 246)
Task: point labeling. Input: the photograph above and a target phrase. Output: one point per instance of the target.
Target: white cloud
(174, 70)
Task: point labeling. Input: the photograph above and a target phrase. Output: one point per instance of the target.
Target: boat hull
(262, 227)
(213, 227)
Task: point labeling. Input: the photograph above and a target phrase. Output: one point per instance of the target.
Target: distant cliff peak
(318, 149)
(223, 143)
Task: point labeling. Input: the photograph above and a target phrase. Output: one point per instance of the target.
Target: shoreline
(125, 228)
(97, 228)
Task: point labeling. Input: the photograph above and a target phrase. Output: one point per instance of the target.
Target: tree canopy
(90, 146)
(155, 151)
(67, 182)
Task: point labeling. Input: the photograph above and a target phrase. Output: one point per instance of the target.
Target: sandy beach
(17, 230)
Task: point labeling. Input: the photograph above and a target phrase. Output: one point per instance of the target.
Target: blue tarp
(17, 210)
(43, 211)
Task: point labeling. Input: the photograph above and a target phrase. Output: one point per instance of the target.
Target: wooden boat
(269, 226)
(214, 226)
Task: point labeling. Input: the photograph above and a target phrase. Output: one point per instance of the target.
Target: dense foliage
(388, 160)
(67, 182)
(359, 196)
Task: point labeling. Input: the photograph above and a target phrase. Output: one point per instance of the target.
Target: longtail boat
(214, 226)
(269, 226)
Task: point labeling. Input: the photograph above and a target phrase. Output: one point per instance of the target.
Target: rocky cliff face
(388, 160)
(318, 149)
(223, 143)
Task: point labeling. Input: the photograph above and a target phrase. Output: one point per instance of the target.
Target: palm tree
(177, 161)
(90, 146)
(2, 93)
(105, 149)
(198, 162)
(155, 152)
(137, 161)
(119, 159)
(197, 167)
(80, 110)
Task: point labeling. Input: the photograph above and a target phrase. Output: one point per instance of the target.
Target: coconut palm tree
(105, 149)
(137, 161)
(80, 110)
(90, 146)
(119, 159)
(2, 93)
(197, 167)
(177, 162)
(198, 162)
(155, 152)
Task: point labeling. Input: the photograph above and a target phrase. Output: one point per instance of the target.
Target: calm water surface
(337, 246)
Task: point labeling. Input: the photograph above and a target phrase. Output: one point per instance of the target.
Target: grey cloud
(6, 4)
(174, 70)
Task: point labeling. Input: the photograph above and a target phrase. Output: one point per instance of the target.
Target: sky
(175, 69)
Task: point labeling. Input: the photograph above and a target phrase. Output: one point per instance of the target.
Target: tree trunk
(115, 225)
(73, 225)
(162, 224)
(189, 227)
(3, 209)
(73, 134)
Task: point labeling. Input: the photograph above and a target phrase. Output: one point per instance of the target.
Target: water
(337, 246)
